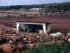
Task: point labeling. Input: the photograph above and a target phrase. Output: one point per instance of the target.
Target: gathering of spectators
(16, 43)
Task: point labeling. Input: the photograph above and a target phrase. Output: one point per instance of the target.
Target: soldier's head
(3, 40)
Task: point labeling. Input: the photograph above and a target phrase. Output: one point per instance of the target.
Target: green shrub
(63, 47)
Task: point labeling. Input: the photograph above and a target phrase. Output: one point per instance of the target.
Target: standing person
(68, 36)
(5, 46)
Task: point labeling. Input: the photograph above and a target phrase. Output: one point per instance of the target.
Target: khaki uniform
(6, 48)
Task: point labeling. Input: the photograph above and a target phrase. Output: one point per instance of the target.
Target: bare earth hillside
(58, 22)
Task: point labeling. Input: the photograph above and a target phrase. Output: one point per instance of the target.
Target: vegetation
(63, 47)
(58, 6)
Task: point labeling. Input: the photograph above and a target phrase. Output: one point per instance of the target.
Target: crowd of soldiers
(16, 43)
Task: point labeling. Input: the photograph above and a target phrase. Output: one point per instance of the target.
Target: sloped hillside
(58, 23)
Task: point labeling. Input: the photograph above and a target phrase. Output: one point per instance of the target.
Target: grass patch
(63, 47)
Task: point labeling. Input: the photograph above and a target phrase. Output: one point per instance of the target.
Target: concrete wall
(45, 26)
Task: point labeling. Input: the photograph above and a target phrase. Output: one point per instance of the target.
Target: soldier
(5, 46)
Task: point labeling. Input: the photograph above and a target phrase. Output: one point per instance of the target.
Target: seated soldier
(4, 46)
